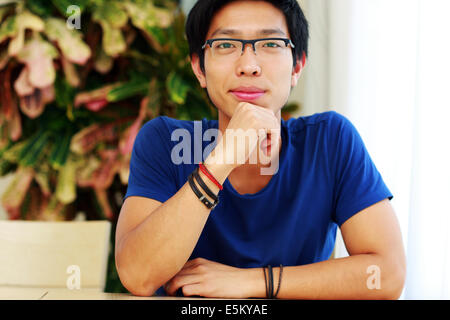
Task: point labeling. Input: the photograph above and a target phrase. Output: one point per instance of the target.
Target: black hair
(201, 15)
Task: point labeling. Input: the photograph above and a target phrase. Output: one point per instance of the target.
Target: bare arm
(154, 240)
(372, 238)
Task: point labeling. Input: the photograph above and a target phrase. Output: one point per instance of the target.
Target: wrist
(216, 165)
(254, 283)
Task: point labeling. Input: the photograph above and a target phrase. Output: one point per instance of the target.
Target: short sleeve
(357, 182)
(151, 174)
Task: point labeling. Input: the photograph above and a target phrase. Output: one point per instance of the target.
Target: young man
(169, 240)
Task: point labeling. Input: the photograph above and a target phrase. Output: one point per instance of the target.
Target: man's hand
(257, 131)
(202, 277)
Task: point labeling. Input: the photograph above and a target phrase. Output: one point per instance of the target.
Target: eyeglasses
(225, 48)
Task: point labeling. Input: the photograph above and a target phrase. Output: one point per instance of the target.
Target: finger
(195, 289)
(178, 281)
(194, 262)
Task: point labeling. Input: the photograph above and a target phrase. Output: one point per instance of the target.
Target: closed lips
(247, 93)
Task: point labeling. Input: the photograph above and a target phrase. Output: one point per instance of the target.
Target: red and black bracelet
(209, 175)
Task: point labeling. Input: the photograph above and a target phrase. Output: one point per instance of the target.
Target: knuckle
(186, 291)
(201, 268)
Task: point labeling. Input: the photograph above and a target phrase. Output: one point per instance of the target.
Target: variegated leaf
(89, 137)
(103, 201)
(105, 174)
(38, 56)
(69, 41)
(66, 186)
(33, 105)
(15, 193)
(94, 100)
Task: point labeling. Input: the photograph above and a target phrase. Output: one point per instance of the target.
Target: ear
(298, 70)
(195, 64)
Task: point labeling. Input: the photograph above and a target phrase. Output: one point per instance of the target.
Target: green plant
(72, 101)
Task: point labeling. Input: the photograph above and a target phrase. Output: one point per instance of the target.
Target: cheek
(216, 79)
(282, 84)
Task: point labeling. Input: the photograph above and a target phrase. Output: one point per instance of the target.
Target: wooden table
(23, 293)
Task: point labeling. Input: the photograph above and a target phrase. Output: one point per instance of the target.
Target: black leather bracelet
(279, 282)
(201, 196)
(265, 281)
(270, 282)
(204, 186)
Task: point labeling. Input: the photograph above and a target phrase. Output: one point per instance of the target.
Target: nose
(247, 63)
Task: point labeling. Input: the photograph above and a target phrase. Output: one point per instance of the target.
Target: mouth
(247, 93)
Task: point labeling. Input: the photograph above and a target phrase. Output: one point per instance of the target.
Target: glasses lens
(233, 49)
(226, 47)
(270, 47)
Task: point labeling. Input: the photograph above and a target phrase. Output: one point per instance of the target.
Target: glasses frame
(209, 42)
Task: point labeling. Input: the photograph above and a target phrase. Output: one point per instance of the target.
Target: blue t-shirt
(325, 177)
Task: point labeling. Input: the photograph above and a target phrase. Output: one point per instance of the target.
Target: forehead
(248, 18)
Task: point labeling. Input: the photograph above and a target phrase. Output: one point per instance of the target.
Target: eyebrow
(233, 32)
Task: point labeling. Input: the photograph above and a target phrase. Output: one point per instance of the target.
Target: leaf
(150, 19)
(12, 154)
(128, 89)
(42, 8)
(85, 171)
(103, 202)
(8, 28)
(104, 175)
(111, 18)
(66, 186)
(54, 210)
(16, 191)
(22, 85)
(4, 58)
(70, 72)
(113, 40)
(177, 88)
(89, 137)
(124, 169)
(15, 125)
(25, 20)
(42, 178)
(69, 40)
(129, 136)
(96, 99)
(38, 56)
(111, 12)
(62, 5)
(33, 105)
(60, 151)
(103, 63)
(64, 93)
(35, 152)
(144, 14)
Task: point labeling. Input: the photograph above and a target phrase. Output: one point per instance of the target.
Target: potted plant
(74, 95)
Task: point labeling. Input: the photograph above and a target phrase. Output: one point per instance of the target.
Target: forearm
(157, 249)
(344, 278)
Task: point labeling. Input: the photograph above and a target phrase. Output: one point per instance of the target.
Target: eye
(272, 45)
(225, 45)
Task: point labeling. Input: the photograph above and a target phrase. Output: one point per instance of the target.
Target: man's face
(223, 77)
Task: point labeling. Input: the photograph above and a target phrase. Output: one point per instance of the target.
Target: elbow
(133, 281)
(398, 285)
(136, 285)
(396, 282)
